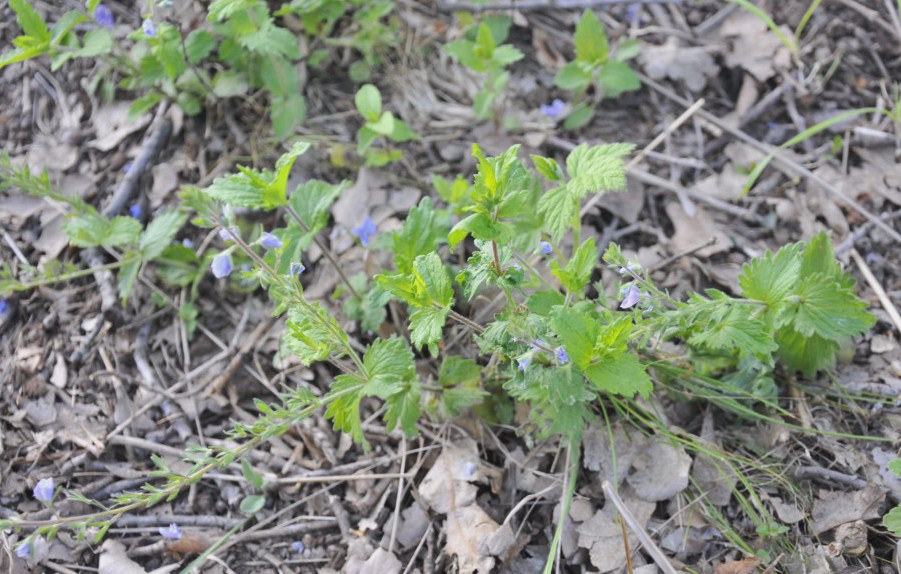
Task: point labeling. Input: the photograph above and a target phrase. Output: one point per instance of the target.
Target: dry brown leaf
(754, 47)
(834, 508)
(692, 231)
(446, 487)
(743, 566)
(113, 560)
(475, 539)
(602, 534)
(692, 65)
(660, 471)
(111, 125)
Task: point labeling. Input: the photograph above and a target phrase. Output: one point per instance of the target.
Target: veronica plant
(595, 67)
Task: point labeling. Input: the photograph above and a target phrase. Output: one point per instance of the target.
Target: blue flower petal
(104, 17)
(172, 532)
(270, 241)
(222, 265)
(365, 231)
(44, 489)
(560, 354)
(149, 27)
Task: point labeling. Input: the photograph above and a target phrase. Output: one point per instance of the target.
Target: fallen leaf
(692, 65)
(754, 47)
(602, 534)
(692, 231)
(831, 509)
(111, 125)
(446, 486)
(660, 471)
(113, 560)
(475, 539)
(743, 566)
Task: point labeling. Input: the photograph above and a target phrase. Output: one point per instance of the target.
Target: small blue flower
(631, 296)
(270, 241)
(516, 266)
(4, 305)
(297, 268)
(229, 233)
(24, 550)
(365, 231)
(135, 211)
(631, 266)
(187, 243)
(172, 532)
(298, 546)
(560, 354)
(633, 14)
(523, 362)
(469, 469)
(104, 17)
(222, 265)
(149, 27)
(554, 109)
(43, 490)
(545, 248)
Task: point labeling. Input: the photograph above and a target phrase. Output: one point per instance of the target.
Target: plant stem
(464, 320)
(73, 274)
(325, 251)
(497, 257)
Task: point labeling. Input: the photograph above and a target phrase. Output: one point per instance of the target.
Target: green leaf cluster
(258, 189)
(379, 124)
(482, 50)
(594, 66)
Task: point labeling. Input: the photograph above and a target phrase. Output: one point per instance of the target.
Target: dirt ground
(90, 393)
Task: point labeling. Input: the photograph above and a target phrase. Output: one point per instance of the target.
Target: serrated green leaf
(221, 10)
(770, 278)
(573, 76)
(622, 375)
(597, 168)
(94, 230)
(590, 40)
(480, 226)
(343, 408)
(464, 52)
(542, 302)
(160, 232)
(558, 208)
(423, 231)
(369, 102)
(506, 55)
(404, 408)
(578, 331)
(427, 325)
(229, 83)
(576, 275)
(29, 20)
(805, 354)
(736, 332)
(617, 78)
(283, 168)
(818, 305)
(311, 201)
(199, 44)
(435, 279)
(548, 167)
(390, 359)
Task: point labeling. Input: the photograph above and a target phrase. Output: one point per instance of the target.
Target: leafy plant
(892, 519)
(595, 67)
(482, 50)
(379, 124)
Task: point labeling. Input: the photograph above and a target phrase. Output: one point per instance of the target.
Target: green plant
(892, 519)
(596, 67)
(482, 50)
(379, 124)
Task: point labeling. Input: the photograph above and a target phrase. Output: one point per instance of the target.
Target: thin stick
(877, 287)
(778, 156)
(400, 494)
(651, 146)
(637, 529)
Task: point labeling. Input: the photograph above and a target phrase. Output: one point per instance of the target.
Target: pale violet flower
(172, 532)
(104, 17)
(631, 266)
(631, 296)
(365, 231)
(23, 550)
(523, 362)
(187, 243)
(4, 305)
(222, 265)
(44, 489)
(149, 27)
(545, 248)
(554, 109)
(560, 354)
(298, 546)
(296, 269)
(135, 211)
(229, 233)
(469, 469)
(270, 241)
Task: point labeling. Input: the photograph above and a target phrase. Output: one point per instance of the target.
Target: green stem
(325, 251)
(571, 480)
(73, 275)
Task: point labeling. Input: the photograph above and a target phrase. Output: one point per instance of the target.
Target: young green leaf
(423, 231)
(160, 232)
(30, 21)
(369, 102)
(576, 275)
(597, 168)
(590, 40)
